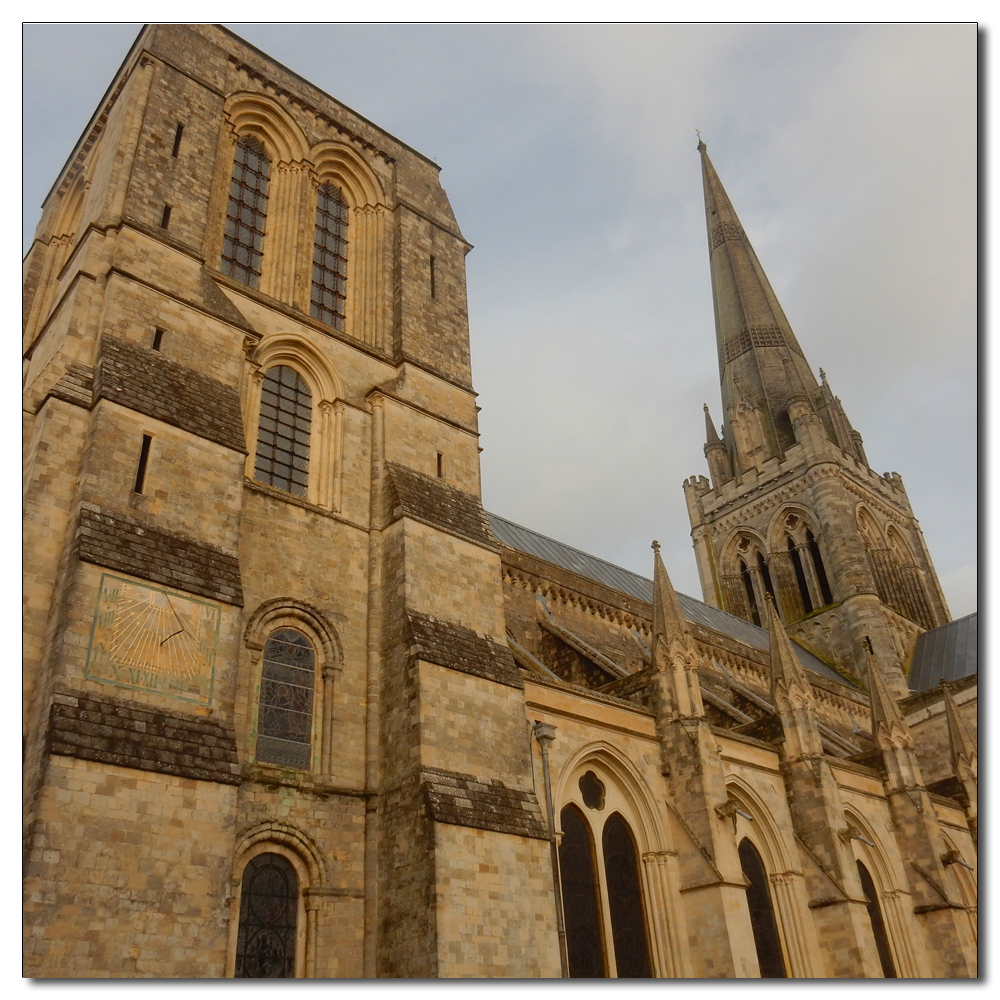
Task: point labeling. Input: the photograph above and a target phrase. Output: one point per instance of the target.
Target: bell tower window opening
(265, 945)
(751, 596)
(329, 277)
(243, 246)
(765, 574)
(817, 559)
(800, 576)
(287, 686)
(282, 457)
(765, 927)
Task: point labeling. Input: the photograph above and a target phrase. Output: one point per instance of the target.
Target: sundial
(154, 639)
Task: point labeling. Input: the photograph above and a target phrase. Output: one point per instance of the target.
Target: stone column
(665, 929)
(793, 921)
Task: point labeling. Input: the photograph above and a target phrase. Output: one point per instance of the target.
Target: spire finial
(701, 142)
(655, 546)
(822, 375)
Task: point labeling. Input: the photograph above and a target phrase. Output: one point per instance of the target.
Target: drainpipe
(545, 734)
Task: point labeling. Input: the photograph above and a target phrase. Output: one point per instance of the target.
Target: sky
(568, 153)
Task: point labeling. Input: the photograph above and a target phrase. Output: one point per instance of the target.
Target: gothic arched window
(269, 897)
(628, 924)
(751, 596)
(765, 927)
(329, 274)
(581, 903)
(817, 559)
(285, 716)
(878, 924)
(800, 575)
(243, 246)
(282, 457)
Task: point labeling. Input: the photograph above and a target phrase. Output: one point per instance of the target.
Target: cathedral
(296, 705)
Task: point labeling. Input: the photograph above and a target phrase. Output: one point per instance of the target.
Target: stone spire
(715, 452)
(890, 732)
(964, 756)
(711, 435)
(791, 692)
(754, 337)
(674, 654)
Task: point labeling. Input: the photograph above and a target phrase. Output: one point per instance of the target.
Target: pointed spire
(889, 728)
(752, 332)
(964, 750)
(669, 622)
(711, 437)
(788, 681)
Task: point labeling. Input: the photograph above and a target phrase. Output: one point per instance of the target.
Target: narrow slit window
(440, 465)
(432, 278)
(177, 139)
(329, 278)
(282, 457)
(157, 339)
(287, 683)
(581, 898)
(165, 218)
(878, 924)
(140, 472)
(243, 246)
(765, 574)
(628, 922)
(751, 596)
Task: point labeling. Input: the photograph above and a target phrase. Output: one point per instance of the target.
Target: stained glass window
(878, 924)
(329, 277)
(282, 458)
(243, 246)
(265, 945)
(581, 904)
(628, 923)
(765, 928)
(284, 727)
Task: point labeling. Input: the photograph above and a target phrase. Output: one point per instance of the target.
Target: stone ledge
(117, 541)
(463, 800)
(459, 648)
(111, 731)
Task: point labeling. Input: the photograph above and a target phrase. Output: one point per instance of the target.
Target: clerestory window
(329, 275)
(265, 946)
(243, 246)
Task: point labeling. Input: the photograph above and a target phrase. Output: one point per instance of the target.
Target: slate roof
(601, 571)
(950, 651)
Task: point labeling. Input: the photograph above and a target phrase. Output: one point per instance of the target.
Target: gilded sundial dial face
(154, 639)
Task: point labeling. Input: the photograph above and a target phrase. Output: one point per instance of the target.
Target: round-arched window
(265, 945)
(287, 685)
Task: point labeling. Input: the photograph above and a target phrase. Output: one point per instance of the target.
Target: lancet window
(762, 920)
(287, 687)
(606, 928)
(878, 924)
(243, 245)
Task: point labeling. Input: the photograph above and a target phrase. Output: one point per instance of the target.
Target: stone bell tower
(793, 509)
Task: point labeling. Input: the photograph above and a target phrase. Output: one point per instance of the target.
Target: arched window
(817, 559)
(751, 596)
(265, 945)
(285, 716)
(878, 924)
(581, 903)
(329, 274)
(628, 925)
(765, 927)
(243, 246)
(800, 575)
(282, 457)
